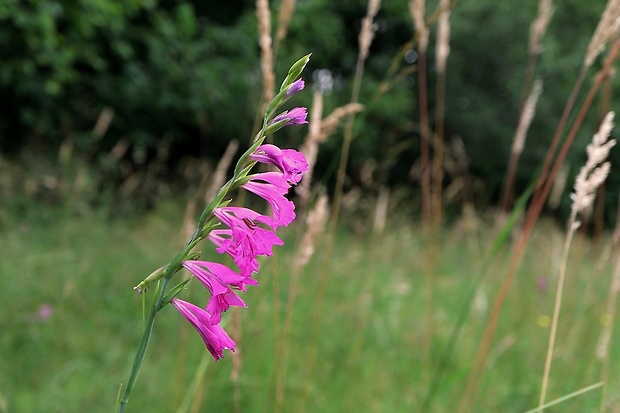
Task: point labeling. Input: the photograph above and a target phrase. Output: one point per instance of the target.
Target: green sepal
(243, 176)
(192, 256)
(173, 292)
(209, 226)
(224, 203)
(244, 179)
(274, 127)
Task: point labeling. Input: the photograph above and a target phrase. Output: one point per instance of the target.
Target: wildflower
(290, 162)
(45, 312)
(295, 116)
(213, 335)
(219, 280)
(272, 187)
(240, 219)
(247, 239)
(295, 87)
(245, 259)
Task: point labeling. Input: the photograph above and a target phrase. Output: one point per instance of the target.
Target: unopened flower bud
(295, 87)
(154, 276)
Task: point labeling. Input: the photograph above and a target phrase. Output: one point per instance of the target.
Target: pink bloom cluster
(248, 235)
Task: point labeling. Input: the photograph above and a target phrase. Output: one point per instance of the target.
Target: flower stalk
(249, 234)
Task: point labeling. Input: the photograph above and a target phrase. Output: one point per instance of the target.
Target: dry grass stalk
(518, 143)
(367, 33)
(545, 181)
(364, 45)
(237, 361)
(314, 128)
(608, 27)
(604, 345)
(443, 35)
(316, 221)
(443, 50)
(219, 175)
(602, 349)
(331, 122)
(527, 115)
(365, 38)
(430, 209)
(315, 225)
(284, 20)
(537, 31)
(310, 147)
(591, 176)
(381, 210)
(539, 26)
(318, 131)
(264, 40)
(103, 122)
(559, 185)
(416, 8)
(594, 172)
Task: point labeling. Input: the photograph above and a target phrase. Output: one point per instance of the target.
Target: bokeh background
(114, 118)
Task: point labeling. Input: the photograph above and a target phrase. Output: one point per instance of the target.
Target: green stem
(172, 269)
(144, 343)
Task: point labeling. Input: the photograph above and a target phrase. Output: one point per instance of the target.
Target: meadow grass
(370, 353)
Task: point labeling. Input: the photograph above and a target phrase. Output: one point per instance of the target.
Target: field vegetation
(454, 247)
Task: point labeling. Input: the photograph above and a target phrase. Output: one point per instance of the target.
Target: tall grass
(589, 179)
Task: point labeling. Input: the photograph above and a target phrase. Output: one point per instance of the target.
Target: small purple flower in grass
(295, 87)
(219, 279)
(295, 116)
(272, 187)
(213, 335)
(45, 312)
(290, 162)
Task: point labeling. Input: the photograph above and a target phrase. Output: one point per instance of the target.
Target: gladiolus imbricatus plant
(239, 232)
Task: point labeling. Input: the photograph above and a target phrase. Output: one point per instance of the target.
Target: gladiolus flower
(290, 162)
(218, 279)
(272, 187)
(213, 335)
(245, 260)
(247, 239)
(295, 116)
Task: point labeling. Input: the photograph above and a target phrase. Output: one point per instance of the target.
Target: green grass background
(376, 350)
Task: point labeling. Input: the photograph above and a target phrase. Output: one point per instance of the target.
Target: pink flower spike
(218, 279)
(295, 116)
(213, 335)
(273, 189)
(290, 162)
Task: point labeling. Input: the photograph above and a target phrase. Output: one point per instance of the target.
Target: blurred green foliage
(187, 73)
(370, 349)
